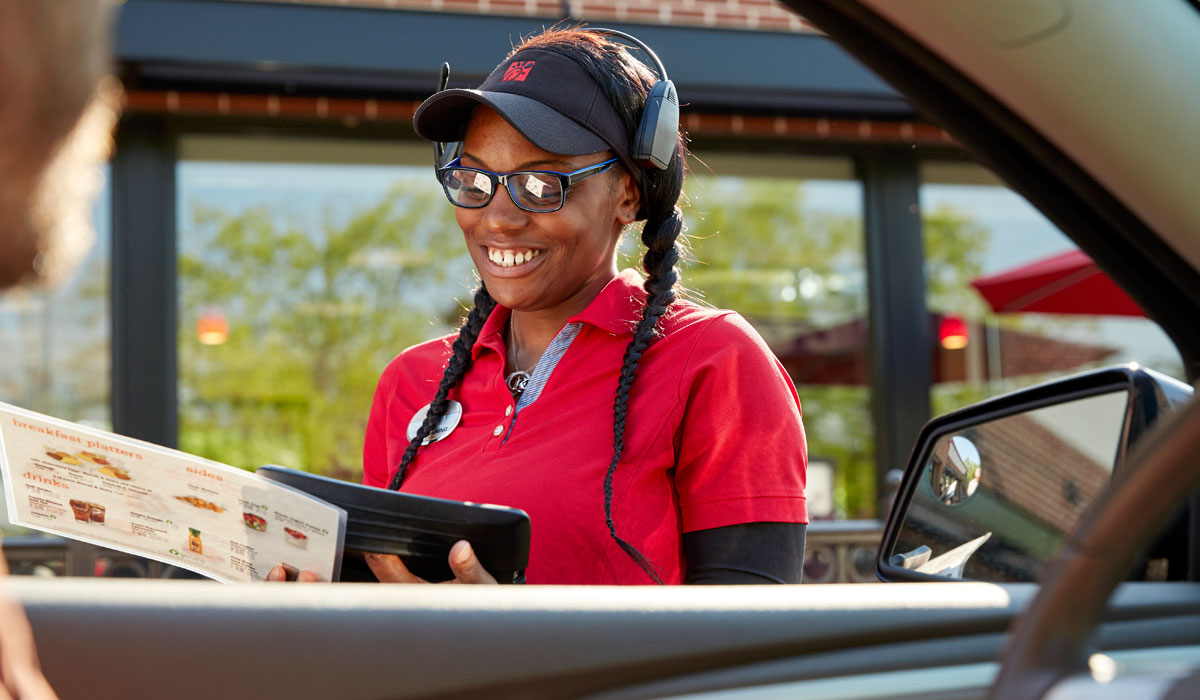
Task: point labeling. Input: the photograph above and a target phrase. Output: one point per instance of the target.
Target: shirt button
(499, 429)
(508, 410)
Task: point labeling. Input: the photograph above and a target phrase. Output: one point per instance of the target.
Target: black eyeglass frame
(566, 181)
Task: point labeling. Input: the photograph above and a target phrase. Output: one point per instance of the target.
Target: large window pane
(976, 227)
(56, 342)
(780, 240)
(305, 266)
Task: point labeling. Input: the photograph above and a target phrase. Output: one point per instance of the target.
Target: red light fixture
(953, 333)
(211, 327)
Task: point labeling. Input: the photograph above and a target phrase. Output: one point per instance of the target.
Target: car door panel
(201, 640)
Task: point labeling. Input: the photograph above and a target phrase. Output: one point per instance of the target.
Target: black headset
(658, 129)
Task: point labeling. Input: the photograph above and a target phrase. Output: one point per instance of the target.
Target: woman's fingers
(389, 569)
(466, 566)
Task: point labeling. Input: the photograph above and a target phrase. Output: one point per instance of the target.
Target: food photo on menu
(255, 522)
(195, 546)
(295, 538)
(87, 512)
(201, 503)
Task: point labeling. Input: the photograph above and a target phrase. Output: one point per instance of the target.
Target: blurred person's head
(58, 105)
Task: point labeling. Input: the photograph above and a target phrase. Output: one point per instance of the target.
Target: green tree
(954, 248)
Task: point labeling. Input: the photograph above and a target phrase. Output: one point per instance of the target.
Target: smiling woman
(554, 261)
(691, 481)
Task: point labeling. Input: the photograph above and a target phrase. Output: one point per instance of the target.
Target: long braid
(460, 362)
(661, 237)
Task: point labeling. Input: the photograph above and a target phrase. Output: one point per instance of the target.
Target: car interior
(1078, 106)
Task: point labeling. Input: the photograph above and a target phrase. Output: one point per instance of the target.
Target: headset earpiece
(658, 128)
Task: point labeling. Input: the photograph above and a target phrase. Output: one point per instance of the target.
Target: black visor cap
(548, 98)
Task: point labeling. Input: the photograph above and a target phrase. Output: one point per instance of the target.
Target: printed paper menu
(136, 497)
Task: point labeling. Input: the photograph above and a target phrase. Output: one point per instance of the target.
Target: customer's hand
(466, 567)
(20, 674)
(279, 573)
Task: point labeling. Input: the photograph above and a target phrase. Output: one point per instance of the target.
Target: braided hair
(625, 82)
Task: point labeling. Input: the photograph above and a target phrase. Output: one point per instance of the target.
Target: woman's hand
(466, 567)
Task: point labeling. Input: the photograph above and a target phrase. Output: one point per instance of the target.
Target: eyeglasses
(539, 191)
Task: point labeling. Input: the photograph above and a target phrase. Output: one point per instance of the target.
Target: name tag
(444, 427)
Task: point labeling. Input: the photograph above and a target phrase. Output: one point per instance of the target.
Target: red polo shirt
(713, 437)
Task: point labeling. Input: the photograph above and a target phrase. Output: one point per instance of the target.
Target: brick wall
(761, 15)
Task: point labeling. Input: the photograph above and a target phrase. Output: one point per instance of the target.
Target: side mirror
(991, 490)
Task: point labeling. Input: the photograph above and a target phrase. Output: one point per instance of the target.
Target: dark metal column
(143, 282)
(899, 346)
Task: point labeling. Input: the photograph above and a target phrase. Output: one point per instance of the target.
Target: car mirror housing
(991, 491)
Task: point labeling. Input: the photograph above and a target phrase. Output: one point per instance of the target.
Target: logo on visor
(518, 70)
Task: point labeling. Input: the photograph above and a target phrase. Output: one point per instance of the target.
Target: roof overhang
(313, 49)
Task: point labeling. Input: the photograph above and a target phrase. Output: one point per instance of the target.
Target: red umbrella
(1069, 283)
